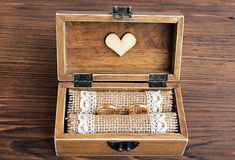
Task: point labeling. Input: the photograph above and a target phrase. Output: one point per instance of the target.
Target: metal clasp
(122, 146)
(121, 12)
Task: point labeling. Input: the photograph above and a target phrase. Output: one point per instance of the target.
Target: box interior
(173, 108)
(86, 52)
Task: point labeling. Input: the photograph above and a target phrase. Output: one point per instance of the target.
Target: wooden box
(81, 49)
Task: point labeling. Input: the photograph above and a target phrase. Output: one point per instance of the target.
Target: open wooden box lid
(81, 46)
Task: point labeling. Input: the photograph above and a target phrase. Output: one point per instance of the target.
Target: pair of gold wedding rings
(106, 109)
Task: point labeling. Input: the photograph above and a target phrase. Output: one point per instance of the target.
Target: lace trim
(86, 124)
(154, 101)
(88, 102)
(158, 123)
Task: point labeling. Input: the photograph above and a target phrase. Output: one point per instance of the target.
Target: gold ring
(106, 109)
(138, 109)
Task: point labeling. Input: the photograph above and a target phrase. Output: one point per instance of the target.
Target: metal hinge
(158, 80)
(82, 80)
(121, 12)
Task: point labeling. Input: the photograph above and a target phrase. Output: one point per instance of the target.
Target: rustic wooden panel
(86, 51)
(28, 82)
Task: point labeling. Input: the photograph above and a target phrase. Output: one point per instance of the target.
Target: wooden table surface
(28, 82)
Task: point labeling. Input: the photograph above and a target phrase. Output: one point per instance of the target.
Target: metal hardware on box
(122, 146)
(158, 80)
(157, 84)
(121, 12)
(83, 80)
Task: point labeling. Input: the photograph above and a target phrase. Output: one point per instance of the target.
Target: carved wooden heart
(120, 46)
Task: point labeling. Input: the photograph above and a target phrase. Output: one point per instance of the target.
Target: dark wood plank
(28, 82)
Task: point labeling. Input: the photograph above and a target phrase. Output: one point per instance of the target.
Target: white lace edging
(154, 101)
(87, 102)
(158, 123)
(86, 124)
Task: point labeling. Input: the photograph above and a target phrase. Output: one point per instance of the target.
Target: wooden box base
(97, 144)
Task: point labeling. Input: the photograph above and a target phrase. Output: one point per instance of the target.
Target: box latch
(158, 80)
(83, 80)
(121, 12)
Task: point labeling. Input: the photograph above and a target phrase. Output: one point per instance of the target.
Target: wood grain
(68, 144)
(81, 48)
(100, 59)
(28, 81)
